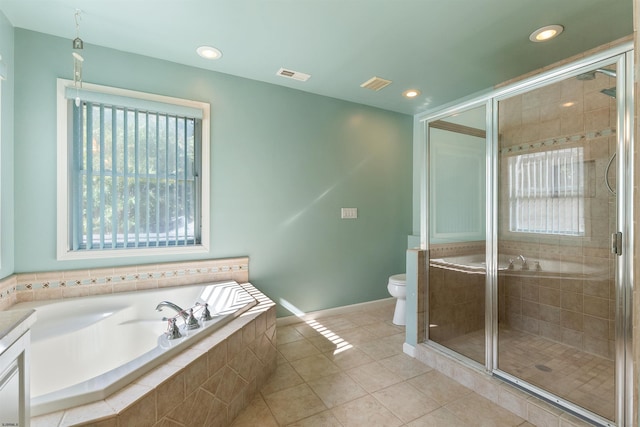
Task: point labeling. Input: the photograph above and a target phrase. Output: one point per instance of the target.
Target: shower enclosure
(528, 222)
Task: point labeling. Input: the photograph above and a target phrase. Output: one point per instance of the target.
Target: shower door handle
(616, 243)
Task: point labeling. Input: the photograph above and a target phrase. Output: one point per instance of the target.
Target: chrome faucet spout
(523, 260)
(171, 305)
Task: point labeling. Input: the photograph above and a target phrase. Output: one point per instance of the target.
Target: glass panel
(556, 278)
(457, 174)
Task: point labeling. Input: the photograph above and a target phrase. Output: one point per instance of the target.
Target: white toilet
(398, 289)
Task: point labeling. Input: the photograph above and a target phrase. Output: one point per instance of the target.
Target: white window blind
(546, 192)
(134, 177)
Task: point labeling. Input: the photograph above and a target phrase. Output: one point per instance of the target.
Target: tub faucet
(171, 305)
(523, 260)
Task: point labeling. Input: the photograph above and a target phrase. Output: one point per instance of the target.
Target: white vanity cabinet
(14, 367)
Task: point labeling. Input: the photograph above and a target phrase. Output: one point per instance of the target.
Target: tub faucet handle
(173, 331)
(192, 322)
(206, 314)
(510, 264)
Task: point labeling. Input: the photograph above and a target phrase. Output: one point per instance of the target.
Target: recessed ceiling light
(546, 33)
(411, 93)
(209, 52)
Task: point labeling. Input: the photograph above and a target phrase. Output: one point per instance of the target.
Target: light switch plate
(349, 213)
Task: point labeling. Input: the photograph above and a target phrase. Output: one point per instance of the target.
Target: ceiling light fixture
(411, 93)
(546, 33)
(208, 52)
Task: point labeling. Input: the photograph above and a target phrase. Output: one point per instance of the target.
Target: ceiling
(447, 49)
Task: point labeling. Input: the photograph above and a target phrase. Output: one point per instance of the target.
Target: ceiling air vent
(375, 83)
(295, 75)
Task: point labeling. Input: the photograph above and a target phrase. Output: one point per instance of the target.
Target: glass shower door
(557, 210)
(457, 216)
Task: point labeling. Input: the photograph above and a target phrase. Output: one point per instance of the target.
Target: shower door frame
(623, 58)
(622, 55)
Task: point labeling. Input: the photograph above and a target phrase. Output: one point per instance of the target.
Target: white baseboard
(409, 350)
(345, 309)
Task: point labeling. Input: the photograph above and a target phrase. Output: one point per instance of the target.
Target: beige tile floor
(586, 379)
(349, 370)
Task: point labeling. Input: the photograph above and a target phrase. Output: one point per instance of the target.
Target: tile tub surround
(578, 312)
(8, 289)
(456, 302)
(444, 250)
(220, 372)
(208, 384)
(456, 297)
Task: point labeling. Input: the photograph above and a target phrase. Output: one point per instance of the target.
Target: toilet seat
(398, 280)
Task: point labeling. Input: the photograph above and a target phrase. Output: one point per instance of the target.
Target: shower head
(610, 92)
(590, 75)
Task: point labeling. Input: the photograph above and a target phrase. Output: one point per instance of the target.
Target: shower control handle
(616, 243)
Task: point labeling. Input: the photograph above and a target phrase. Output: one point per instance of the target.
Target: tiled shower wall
(576, 312)
(573, 309)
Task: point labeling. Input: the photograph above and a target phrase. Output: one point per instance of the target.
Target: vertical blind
(546, 192)
(134, 178)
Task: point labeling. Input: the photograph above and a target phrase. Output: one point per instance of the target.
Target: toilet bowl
(398, 289)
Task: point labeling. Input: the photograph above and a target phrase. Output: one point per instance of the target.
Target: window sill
(66, 255)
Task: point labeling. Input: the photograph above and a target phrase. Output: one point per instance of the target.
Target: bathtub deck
(208, 384)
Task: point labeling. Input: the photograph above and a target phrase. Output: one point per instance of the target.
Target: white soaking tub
(83, 349)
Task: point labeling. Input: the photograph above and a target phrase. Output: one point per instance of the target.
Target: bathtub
(475, 263)
(84, 349)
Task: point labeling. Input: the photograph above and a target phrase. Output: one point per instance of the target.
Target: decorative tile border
(559, 141)
(8, 289)
(441, 250)
(64, 284)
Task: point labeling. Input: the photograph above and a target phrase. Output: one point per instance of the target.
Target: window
(134, 173)
(546, 192)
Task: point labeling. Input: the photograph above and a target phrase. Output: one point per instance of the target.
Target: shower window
(546, 192)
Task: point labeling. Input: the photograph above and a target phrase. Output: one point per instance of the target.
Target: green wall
(6, 151)
(283, 164)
